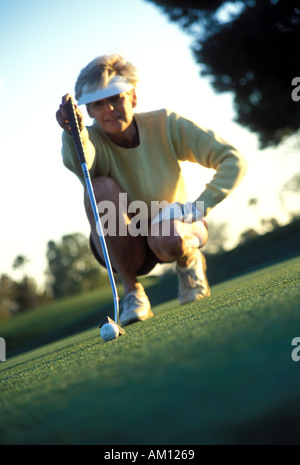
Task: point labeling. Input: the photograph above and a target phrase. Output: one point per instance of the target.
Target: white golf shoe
(192, 280)
(135, 307)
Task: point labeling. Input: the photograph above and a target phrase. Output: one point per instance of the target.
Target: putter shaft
(80, 151)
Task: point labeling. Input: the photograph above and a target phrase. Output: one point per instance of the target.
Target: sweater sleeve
(69, 153)
(198, 145)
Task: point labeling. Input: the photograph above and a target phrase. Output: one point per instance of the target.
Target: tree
(27, 295)
(20, 262)
(218, 237)
(72, 268)
(251, 51)
(248, 235)
(8, 296)
(289, 195)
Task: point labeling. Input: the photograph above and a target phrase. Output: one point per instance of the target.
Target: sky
(44, 45)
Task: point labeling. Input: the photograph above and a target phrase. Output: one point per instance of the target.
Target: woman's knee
(179, 241)
(167, 248)
(104, 189)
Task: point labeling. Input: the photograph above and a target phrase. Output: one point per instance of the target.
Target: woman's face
(114, 114)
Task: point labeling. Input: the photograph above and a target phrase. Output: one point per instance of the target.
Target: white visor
(117, 85)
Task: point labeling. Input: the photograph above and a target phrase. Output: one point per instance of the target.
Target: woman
(134, 159)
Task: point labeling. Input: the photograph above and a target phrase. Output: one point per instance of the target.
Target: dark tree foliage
(72, 269)
(253, 53)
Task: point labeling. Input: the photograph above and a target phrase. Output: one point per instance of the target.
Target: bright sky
(45, 44)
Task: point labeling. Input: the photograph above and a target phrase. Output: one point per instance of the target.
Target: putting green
(211, 372)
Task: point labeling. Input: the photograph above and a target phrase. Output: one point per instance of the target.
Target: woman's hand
(62, 116)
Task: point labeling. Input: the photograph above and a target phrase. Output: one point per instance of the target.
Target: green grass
(65, 317)
(212, 372)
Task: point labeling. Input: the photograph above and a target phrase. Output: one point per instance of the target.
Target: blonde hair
(102, 69)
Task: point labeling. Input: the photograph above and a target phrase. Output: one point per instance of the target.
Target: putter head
(109, 320)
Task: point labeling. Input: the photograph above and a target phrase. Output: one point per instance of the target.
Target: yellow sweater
(151, 171)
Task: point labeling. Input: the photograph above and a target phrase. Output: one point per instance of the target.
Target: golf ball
(109, 331)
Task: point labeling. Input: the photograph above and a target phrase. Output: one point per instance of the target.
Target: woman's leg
(181, 244)
(127, 253)
(177, 241)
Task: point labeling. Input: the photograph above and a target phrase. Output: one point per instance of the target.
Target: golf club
(80, 151)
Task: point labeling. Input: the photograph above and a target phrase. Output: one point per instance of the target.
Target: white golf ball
(109, 331)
